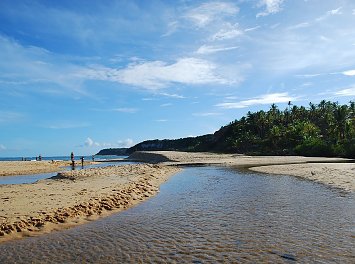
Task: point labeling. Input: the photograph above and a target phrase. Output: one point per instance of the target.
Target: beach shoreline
(15, 168)
(76, 197)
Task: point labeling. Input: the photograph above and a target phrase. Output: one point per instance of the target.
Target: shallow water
(31, 178)
(210, 215)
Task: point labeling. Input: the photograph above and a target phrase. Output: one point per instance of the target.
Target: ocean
(96, 157)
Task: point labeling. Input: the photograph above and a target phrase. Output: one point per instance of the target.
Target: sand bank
(74, 197)
(327, 170)
(9, 168)
(340, 175)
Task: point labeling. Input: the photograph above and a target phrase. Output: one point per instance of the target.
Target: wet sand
(75, 197)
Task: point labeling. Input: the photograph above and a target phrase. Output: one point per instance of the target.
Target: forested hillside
(324, 129)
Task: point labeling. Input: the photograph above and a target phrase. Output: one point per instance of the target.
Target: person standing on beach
(72, 159)
(82, 162)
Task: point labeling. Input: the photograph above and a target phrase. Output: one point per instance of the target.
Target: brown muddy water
(210, 215)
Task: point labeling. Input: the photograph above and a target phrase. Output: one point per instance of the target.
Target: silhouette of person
(72, 160)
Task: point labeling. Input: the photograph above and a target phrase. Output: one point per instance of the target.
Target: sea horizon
(62, 157)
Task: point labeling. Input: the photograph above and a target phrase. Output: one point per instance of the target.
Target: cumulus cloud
(158, 74)
(271, 7)
(206, 49)
(261, 100)
(127, 143)
(206, 13)
(90, 143)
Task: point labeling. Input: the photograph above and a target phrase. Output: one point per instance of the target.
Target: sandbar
(10, 168)
(75, 197)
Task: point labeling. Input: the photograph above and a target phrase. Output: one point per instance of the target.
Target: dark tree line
(324, 129)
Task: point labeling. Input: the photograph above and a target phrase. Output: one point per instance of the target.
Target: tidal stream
(210, 215)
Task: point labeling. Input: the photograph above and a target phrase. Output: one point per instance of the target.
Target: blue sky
(85, 75)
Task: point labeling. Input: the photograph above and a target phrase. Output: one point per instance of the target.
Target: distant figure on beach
(93, 158)
(72, 160)
(82, 162)
(40, 157)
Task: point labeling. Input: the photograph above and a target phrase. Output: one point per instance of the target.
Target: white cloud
(90, 143)
(2, 147)
(167, 104)
(335, 11)
(161, 120)
(127, 143)
(252, 29)
(177, 96)
(330, 13)
(261, 100)
(23, 65)
(353, 12)
(300, 25)
(349, 73)
(158, 74)
(206, 13)
(346, 92)
(206, 49)
(172, 27)
(228, 31)
(271, 7)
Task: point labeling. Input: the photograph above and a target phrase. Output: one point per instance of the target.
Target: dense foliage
(324, 129)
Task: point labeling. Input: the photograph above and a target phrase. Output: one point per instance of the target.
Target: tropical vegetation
(324, 129)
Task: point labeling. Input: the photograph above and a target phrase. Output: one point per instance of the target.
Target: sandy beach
(75, 197)
(340, 175)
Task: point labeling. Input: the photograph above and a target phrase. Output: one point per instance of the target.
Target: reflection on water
(31, 178)
(209, 215)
